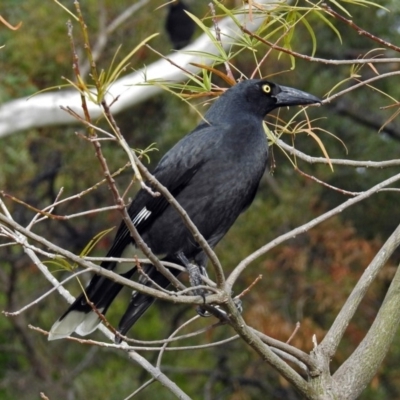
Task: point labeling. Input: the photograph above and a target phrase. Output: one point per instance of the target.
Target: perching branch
(332, 339)
(305, 227)
(105, 272)
(358, 370)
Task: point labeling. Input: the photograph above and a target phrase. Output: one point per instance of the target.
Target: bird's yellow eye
(266, 88)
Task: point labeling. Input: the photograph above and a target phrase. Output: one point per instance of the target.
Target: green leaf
(93, 242)
(207, 31)
(312, 34)
(122, 65)
(228, 12)
(338, 5)
(329, 23)
(61, 263)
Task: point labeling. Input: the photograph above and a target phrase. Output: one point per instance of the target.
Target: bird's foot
(238, 304)
(195, 276)
(202, 312)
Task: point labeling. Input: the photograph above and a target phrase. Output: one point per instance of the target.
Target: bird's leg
(194, 271)
(195, 277)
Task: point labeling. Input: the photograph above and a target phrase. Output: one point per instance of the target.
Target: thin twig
(198, 237)
(136, 348)
(50, 215)
(212, 298)
(287, 348)
(184, 70)
(39, 299)
(323, 160)
(247, 290)
(139, 389)
(218, 37)
(293, 333)
(135, 162)
(304, 228)
(172, 339)
(359, 30)
(320, 60)
(313, 178)
(360, 84)
(159, 358)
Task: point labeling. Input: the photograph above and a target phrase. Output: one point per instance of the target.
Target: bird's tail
(83, 319)
(140, 302)
(80, 316)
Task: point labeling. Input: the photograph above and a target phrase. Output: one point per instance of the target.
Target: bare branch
(304, 228)
(323, 160)
(359, 30)
(218, 37)
(252, 338)
(106, 31)
(335, 333)
(359, 369)
(213, 298)
(320, 60)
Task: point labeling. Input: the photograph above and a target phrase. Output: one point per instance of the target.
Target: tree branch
(334, 161)
(331, 341)
(304, 228)
(253, 340)
(44, 109)
(213, 298)
(359, 369)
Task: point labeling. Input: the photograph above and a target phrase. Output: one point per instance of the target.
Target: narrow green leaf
(60, 263)
(93, 242)
(312, 34)
(329, 23)
(207, 31)
(338, 5)
(228, 12)
(119, 68)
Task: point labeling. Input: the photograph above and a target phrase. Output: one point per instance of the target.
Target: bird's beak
(294, 97)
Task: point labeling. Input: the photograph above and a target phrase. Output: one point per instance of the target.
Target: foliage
(306, 279)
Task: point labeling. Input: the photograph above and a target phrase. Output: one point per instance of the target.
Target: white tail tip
(75, 321)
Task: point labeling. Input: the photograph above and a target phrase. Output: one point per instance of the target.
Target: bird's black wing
(174, 171)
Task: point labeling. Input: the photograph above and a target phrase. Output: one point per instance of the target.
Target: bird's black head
(258, 97)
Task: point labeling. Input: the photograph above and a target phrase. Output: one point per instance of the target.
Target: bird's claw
(238, 304)
(202, 312)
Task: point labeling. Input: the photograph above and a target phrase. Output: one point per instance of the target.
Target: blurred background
(306, 279)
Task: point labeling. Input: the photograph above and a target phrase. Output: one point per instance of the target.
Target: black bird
(214, 173)
(179, 26)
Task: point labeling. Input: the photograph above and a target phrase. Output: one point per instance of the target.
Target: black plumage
(179, 26)
(214, 173)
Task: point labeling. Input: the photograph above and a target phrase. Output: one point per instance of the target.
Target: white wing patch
(141, 216)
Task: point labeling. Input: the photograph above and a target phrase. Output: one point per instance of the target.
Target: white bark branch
(44, 109)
